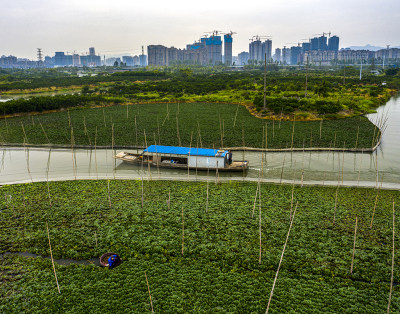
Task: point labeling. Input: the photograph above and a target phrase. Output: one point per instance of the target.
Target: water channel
(19, 165)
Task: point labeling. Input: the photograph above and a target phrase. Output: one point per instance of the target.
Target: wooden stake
(104, 118)
(52, 260)
(148, 288)
(280, 261)
(354, 246)
(391, 279)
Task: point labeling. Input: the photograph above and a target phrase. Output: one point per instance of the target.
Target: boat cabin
(191, 157)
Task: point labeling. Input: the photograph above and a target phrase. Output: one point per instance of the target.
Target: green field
(187, 124)
(219, 270)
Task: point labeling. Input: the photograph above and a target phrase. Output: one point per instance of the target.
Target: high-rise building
(258, 49)
(333, 43)
(266, 49)
(228, 49)
(59, 58)
(295, 53)
(255, 50)
(305, 47)
(278, 55)
(92, 51)
(243, 58)
(322, 45)
(213, 45)
(158, 55)
(285, 55)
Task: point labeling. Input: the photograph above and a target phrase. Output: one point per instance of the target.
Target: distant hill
(368, 47)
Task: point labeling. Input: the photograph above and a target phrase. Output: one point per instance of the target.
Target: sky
(122, 27)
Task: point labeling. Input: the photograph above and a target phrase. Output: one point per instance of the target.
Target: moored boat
(185, 157)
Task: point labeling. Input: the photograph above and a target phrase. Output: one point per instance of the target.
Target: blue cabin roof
(176, 150)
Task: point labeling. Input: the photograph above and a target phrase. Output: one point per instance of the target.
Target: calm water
(27, 165)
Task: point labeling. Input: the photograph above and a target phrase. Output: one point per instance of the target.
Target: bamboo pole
(52, 260)
(23, 130)
(104, 118)
(45, 134)
(142, 193)
(234, 121)
(95, 152)
(376, 202)
(48, 192)
(320, 128)
(136, 132)
(391, 278)
(127, 112)
(148, 288)
(198, 127)
(259, 219)
(283, 166)
(354, 246)
(177, 131)
(255, 199)
(273, 128)
(336, 198)
(358, 131)
(344, 145)
(108, 192)
(291, 203)
(291, 146)
(169, 200)
(280, 261)
(69, 118)
(334, 141)
(183, 232)
(208, 172)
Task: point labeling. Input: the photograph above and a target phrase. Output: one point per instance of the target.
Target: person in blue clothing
(113, 261)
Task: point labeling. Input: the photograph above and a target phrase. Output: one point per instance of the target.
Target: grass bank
(216, 268)
(185, 124)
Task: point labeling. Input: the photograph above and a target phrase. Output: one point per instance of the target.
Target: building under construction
(258, 48)
(206, 51)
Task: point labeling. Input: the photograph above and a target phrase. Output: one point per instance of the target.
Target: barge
(185, 158)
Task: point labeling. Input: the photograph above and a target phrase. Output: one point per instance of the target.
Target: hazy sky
(123, 26)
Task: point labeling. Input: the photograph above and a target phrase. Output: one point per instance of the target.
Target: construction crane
(323, 34)
(298, 44)
(258, 37)
(214, 33)
(230, 33)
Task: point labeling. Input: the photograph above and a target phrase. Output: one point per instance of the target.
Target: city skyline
(123, 27)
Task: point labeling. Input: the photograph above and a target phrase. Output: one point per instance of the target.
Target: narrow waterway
(324, 168)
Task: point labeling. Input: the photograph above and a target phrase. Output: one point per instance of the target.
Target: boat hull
(139, 159)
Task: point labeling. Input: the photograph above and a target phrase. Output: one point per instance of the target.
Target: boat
(184, 158)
